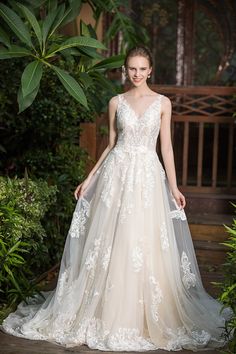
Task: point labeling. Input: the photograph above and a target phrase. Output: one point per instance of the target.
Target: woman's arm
(167, 151)
(112, 106)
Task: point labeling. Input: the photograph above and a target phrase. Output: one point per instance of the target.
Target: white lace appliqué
(106, 258)
(189, 279)
(156, 297)
(62, 282)
(164, 238)
(79, 219)
(89, 295)
(92, 256)
(178, 214)
(137, 258)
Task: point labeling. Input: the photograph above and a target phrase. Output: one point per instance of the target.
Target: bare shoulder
(166, 105)
(166, 102)
(113, 102)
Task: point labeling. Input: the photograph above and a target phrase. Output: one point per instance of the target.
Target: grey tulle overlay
(129, 278)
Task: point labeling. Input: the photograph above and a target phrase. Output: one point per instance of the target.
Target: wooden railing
(203, 124)
(203, 136)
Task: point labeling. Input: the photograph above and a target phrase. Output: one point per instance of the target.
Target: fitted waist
(134, 149)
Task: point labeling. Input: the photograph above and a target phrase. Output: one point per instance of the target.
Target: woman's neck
(143, 90)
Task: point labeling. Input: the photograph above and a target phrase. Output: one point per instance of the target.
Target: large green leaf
(4, 38)
(35, 3)
(72, 12)
(90, 52)
(33, 22)
(86, 80)
(71, 85)
(110, 63)
(25, 102)
(76, 42)
(31, 77)
(16, 24)
(84, 30)
(48, 22)
(58, 20)
(13, 52)
(114, 27)
(52, 5)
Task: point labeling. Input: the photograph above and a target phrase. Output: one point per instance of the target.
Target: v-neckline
(145, 111)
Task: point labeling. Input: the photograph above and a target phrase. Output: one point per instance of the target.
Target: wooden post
(184, 52)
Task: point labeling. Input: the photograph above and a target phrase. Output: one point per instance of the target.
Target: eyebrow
(133, 67)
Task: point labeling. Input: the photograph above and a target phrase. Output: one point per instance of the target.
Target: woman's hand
(81, 188)
(179, 197)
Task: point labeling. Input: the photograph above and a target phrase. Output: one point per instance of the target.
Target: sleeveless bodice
(138, 133)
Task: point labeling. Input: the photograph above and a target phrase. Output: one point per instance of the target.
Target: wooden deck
(14, 345)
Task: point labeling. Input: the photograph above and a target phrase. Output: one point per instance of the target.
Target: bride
(129, 278)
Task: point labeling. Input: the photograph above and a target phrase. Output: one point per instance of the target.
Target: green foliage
(46, 142)
(23, 205)
(228, 294)
(36, 38)
(132, 32)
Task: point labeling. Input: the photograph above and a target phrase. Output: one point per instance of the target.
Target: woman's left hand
(180, 198)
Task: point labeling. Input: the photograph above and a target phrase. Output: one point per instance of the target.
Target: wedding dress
(129, 278)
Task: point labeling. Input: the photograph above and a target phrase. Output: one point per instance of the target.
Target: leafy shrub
(23, 205)
(228, 294)
(45, 140)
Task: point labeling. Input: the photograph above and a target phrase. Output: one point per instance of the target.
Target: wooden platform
(13, 345)
(208, 233)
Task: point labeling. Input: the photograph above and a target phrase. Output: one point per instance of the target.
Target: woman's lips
(137, 80)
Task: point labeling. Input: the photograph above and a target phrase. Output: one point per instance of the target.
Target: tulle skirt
(129, 278)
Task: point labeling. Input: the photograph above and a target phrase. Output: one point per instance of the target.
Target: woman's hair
(138, 51)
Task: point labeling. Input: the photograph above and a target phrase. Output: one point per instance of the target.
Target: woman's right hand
(81, 188)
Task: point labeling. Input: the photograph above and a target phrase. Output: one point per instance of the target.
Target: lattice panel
(206, 105)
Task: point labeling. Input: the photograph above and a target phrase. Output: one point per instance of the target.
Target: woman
(129, 279)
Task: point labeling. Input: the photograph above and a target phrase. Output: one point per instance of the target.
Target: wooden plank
(210, 247)
(200, 154)
(215, 154)
(203, 189)
(185, 154)
(209, 257)
(204, 119)
(197, 90)
(208, 233)
(230, 155)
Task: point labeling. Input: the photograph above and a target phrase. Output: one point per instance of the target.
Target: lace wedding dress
(129, 279)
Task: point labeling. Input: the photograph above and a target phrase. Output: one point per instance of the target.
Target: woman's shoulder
(165, 100)
(113, 102)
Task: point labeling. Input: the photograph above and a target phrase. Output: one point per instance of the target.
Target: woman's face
(138, 69)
